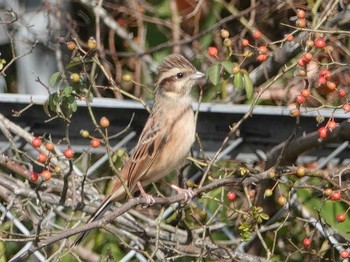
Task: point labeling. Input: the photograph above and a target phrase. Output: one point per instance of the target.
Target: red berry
(332, 125)
(262, 49)
(344, 254)
(46, 175)
(335, 195)
(323, 72)
(300, 99)
(321, 80)
(49, 146)
(301, 13)
(36, 142)
(341, 217)
(68, 153)
(307, 242)
(342, 93)
(41, 157)
(231, 195)
(346, 108)
(319, 42)
(104, 122)
(33, 176)
(302, 61)
(322, 132)
(305, 93)
(213, 51)
(94, 143)
(245, 42)
(261, 58)
(256, 34)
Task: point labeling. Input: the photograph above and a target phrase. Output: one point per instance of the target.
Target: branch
(133, 203)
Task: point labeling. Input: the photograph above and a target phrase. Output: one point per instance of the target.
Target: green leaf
(248, 84)
(54, 79)
(53, 101)
(213, 74)
(228, 65)
(264, 216)
(68, 90)
(73, 106)
(77, 62)
(238, 81)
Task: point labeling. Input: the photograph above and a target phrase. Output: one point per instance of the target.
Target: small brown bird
(166, 138)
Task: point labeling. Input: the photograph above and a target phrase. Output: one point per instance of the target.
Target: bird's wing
(150, 145)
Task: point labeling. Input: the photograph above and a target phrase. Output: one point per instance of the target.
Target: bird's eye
(180, 75)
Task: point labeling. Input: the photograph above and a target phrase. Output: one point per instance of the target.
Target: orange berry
(71, 45)
(331, 85)
(104, 122)
(46, 175)
(245, 42)
(295, 112)
(49, 146)
(213, 51)
(305, 93)
(308, 56)
(301, 22)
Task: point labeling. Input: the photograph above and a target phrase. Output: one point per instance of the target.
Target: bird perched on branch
(166, 138)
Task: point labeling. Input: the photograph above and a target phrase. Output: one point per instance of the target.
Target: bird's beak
(197, 75)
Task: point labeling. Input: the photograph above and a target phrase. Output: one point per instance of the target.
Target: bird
(166, 138)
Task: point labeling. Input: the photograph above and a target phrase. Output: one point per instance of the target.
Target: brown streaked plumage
(167, 136)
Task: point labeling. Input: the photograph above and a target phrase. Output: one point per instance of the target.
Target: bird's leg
(188, 193)
(149, 198)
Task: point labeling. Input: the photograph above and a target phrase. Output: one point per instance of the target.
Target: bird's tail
(97, 215)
